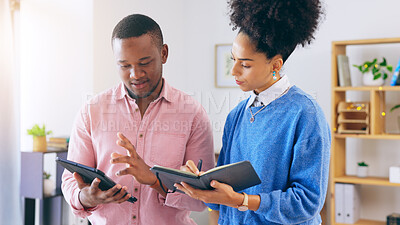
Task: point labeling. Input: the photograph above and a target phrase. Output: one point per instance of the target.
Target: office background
(63, 57)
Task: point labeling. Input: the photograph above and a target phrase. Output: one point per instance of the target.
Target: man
(152, 122)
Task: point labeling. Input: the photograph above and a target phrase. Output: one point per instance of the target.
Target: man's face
(139, 63)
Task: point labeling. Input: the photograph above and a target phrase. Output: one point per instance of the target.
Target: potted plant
(39, 137)
(49, 186)
(375, 73)
(362, 169)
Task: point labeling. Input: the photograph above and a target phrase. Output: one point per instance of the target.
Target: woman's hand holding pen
(222, 194)
(191, 167)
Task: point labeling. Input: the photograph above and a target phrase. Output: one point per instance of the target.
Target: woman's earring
(274, 75)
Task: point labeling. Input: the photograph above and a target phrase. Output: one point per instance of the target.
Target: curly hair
(276, 26)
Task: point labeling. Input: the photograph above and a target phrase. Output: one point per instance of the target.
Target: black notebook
(240, 175)
(88, 174)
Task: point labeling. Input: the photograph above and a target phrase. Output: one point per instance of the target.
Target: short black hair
(136, 25)
(276, 26)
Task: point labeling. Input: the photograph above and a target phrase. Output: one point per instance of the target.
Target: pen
(199, 165)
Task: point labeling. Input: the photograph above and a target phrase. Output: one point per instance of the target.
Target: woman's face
(252, 70)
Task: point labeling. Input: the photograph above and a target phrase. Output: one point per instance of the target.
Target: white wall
(61, 64)
(56, 63)
(56, 66)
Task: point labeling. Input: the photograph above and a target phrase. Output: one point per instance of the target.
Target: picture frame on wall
(223, 66)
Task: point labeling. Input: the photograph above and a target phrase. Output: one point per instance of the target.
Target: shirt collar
(270, 94)
(166, 92)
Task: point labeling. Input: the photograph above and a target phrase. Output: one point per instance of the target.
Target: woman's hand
(192, 168)
(222, 194)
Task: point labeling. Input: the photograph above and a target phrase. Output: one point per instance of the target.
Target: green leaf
(375, 70)
(37, 131)
(390, 68)
(385, 76)
(362, 163)
(384, 63)
(394, 107)
(377, 76)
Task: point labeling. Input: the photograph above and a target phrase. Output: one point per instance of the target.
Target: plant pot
(368, 80)
(39, 144)
(362, 171)
(49, 187)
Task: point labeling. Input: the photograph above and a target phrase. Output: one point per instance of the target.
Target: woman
(280, 129)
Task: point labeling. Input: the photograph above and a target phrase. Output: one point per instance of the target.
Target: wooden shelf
(367, 88)
(366, 222)
(376, 124)
(377, 181)
(368, 42)
(370, 136)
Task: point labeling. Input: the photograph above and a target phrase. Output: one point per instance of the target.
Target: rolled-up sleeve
(80, 150)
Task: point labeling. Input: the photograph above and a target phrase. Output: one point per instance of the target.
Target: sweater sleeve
(308, 178)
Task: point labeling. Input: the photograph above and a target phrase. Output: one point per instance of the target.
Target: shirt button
(140, 135)
(136, 109)
(133, 217)
(136, 189)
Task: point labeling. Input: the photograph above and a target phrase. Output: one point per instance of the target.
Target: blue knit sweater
(288, 145)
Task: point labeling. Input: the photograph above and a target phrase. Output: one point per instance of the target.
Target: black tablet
(88, 174)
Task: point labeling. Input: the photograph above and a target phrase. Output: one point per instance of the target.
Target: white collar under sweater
(270, 94)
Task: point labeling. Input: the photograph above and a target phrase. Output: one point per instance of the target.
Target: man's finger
(113, 191)
(125, 143)
(115, 155)
(128, 170)
(95, 183)
(79, 180)
(122, 159)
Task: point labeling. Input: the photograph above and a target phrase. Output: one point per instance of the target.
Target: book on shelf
(347, 203)
(343, 71)
(63, 139)
(58, 143)
(339, 203)
(351, 203)
(396, 76)
(240, 175)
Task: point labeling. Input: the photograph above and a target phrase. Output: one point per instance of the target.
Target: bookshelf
(376, 123)
(32, 189)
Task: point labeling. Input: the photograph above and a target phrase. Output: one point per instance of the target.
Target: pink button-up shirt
(174, 129)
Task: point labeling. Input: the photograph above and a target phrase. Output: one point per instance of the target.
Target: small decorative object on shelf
(375, 73)
(393, 219)
(394, 174)
(39, 137)
(353, 118)
(362, 169)
(49, 186)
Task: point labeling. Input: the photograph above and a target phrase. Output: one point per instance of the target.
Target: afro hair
(276, 26)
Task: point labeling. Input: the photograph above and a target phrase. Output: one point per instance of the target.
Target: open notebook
(240, 175)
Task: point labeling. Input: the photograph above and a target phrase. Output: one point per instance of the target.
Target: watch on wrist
(245, 204)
